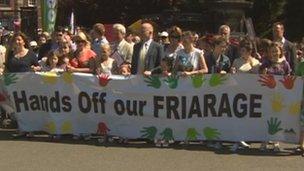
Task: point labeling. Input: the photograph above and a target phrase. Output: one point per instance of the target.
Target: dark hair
(247, 44)
(217, 40)
(175, 32)
(24, 37)
(169, 62)
(51, 55)
(278, 24)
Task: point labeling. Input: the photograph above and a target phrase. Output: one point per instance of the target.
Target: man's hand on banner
(198, 80)
(153, 81)
(103, 79)
(217, 79)
(172, 81)
(167, 134)
(211, 133)
(149, 132)
(268, 81)
(274, 126)
(288, 81)
(192, 134)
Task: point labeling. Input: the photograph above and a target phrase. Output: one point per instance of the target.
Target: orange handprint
(288, 81)
(102, 129)
(268, 81)
(103, 79)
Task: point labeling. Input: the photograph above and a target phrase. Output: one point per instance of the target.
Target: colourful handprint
(268, 81)
(149, 132)
(103, 79)
(277, 103)
(274, 126)
(102, 129)
(9, 78)
(51, 127)
(198, 80)
(67, 77)
(167, 134)
(295, 108)
(153, 81)
(49, 77)
(211, 133)
(192, 134)
(217, 79)
(172, 81)
(288, 81)
(66, 127)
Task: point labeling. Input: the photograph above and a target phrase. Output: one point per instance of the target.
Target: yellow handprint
(277, 103)
(66, 127)
(295, 108)
(49, 77)
(67, 77)
(51, 127)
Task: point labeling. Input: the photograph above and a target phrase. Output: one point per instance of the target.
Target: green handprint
(198, 80)
(192, 134)
(172, 81)
(153, 81)
(148, 132)
(9, 78)
(217, 79)
(274, 126)
(211, 134)
(167, 134)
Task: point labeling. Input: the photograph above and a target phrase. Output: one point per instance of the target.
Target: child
(52, 63)
(125, 69)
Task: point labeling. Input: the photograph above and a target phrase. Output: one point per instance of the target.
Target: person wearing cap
(83, 56)
(35, 48)
(163, 38)
(147, 54)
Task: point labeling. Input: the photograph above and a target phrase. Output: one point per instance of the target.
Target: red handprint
(103, 79)
(288, 81)
(267, 80)
(102, 129)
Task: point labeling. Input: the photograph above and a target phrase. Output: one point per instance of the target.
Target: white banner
(207, 107)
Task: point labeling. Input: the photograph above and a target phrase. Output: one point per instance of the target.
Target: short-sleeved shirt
(281, 68)
(21, 64)
(223, 64)
(83, 60)
(243, 66)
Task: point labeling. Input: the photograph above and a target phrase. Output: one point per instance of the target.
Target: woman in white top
(190, 60)
(246, 63)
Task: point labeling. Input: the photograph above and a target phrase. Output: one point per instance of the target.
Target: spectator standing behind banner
(175, 37)
(231, 50)
(52, 63)
(277, 64)
(82, 56)
(103, 64)
(122, 50)
(20, 58)
(288, 48)
(147, 54)
(217, 61)
(2, 59)
(98, 35)
(190, 60)
(246, 63)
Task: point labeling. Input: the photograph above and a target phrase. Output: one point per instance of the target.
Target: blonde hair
(121, 28)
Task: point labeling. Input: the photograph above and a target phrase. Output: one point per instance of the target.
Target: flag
(72, 23)
(49, 12)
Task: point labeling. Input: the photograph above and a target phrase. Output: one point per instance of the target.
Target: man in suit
(288, 47)
(147, 54)
(122, 50)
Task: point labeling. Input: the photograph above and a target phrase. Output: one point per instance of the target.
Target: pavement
(43, 153)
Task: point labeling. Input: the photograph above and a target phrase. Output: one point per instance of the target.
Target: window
(31, 3)
(4, 3)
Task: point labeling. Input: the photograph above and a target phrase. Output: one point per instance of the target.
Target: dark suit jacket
(153, 57)
(290, 54)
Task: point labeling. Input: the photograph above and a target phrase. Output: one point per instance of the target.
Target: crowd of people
(173, 51)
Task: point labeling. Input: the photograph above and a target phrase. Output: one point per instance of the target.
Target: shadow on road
(288, 150)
